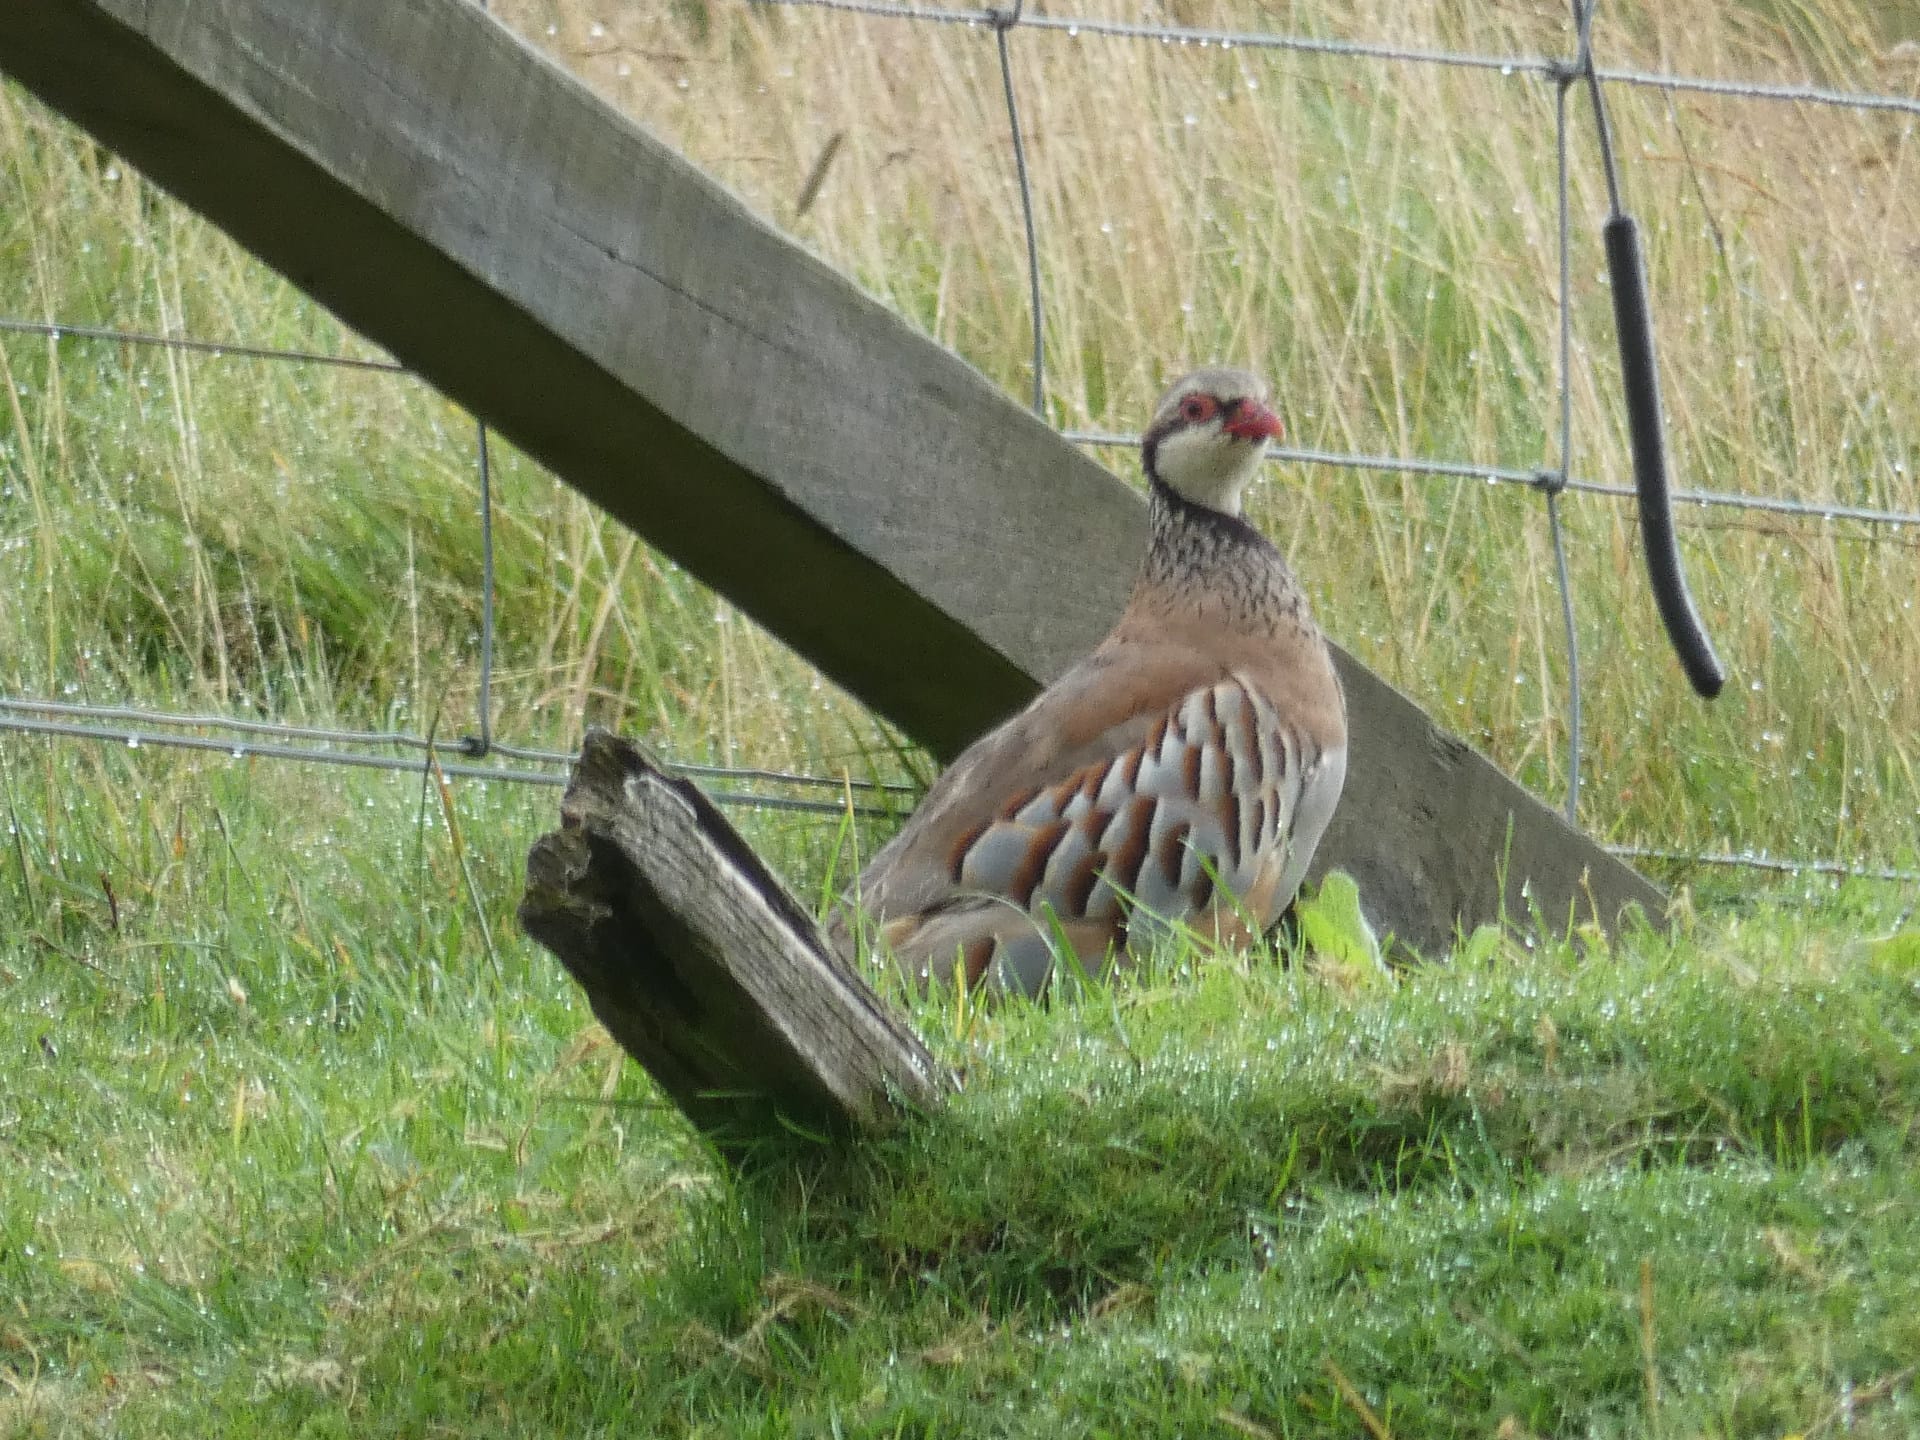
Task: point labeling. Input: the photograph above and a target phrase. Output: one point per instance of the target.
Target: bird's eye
(1196, 408)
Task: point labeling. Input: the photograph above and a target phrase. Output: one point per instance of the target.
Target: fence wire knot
(1568, 72)
(1549, 482)
(1565, 72)
(1005, 19)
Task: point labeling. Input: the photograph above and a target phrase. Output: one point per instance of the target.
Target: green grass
(300, 1136)
(299, 1141)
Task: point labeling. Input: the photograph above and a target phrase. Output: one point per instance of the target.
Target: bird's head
(1207, 436)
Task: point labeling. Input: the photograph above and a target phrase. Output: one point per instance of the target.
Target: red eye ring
(1196, 408)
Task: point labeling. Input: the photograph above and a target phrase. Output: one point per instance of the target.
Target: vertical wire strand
(1003, 23)
(1573, 661)
(481, 743)
(1566, 461)
(1583, 65)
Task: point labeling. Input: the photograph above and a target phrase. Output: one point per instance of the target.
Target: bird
(1183, 772)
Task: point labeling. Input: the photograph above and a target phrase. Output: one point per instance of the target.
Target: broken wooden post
(701, 965)
(537, 256)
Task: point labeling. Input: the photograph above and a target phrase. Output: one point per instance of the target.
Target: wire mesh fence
(479, 753)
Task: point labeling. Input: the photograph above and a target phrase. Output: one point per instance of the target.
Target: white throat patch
(1205, 465)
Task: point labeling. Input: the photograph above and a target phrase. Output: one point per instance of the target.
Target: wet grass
(300, 1140)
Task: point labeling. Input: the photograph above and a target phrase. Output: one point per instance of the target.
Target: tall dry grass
(1378, 238)
(1381, 238)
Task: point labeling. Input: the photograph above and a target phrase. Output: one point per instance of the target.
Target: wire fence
(464, 758)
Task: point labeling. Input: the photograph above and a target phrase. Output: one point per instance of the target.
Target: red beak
(1254, 421)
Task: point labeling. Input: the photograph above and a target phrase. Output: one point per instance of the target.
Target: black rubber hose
(1634, 322)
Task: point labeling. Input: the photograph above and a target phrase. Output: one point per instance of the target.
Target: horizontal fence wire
(219, 349)
(1536, 65)
(1098, 439)
(135, 728)
(1534, 479)
(239, 738)
(1776, 864)
(402, 739)
(134, 737)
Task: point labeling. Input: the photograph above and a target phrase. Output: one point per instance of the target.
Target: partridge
(1182, 772)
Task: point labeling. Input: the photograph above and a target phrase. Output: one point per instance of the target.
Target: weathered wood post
(701, 965)
(703, 968)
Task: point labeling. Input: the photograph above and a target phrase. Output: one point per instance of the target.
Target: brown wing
(1101, 706)
(1190, 808)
